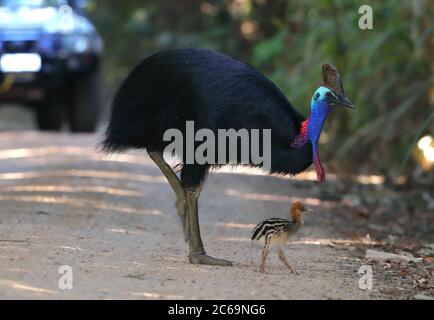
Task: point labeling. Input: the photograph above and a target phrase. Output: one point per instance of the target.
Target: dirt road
(112, 220)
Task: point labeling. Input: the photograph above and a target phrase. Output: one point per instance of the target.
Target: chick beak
(308, 210)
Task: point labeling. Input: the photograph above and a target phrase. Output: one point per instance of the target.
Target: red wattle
(301, 139)
(303, 128)
(320, 172)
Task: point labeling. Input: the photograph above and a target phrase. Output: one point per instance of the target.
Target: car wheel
(49, 116)
(85, 102)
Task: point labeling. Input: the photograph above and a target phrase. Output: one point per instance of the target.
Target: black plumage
(213, 90)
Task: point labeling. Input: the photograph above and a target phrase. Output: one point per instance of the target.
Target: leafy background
(388, 71)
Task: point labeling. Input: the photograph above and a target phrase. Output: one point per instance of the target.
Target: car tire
(49, 116)
(85, 103)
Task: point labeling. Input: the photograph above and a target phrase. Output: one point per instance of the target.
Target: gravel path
(112, 220)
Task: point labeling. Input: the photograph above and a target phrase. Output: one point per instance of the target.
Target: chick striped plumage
(274, 232)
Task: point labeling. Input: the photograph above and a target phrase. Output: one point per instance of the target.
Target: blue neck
(319, 113)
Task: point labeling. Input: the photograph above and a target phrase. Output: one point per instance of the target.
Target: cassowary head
(330, 95)
(298, 210)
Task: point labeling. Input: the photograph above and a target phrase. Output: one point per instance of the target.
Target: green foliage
(267, 50)
(388, 71)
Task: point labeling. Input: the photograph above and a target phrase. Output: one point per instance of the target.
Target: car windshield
(31, 3)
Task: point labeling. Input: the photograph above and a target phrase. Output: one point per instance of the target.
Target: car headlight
(77, 44)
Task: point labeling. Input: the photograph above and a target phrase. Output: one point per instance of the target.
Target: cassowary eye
(329, 95)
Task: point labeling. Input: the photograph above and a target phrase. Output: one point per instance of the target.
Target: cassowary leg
(263, 258)
(197, 253)
(176, 185)
(285, 261)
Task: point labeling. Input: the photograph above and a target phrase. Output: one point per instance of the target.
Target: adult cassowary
(215, 91)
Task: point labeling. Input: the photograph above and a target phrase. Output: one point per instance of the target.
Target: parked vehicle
(50, 60)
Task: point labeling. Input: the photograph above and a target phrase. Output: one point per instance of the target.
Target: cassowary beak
(340, 101)
(344, 102)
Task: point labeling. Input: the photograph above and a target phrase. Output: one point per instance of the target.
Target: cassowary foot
(293, 271)
(197, 252)
(208, 260)
(285, 261)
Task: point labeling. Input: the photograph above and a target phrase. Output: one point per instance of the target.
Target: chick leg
(197, 253)
(285, 261)
(176, 185)
(263, 258)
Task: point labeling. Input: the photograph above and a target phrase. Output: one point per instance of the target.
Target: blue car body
(45, 46)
